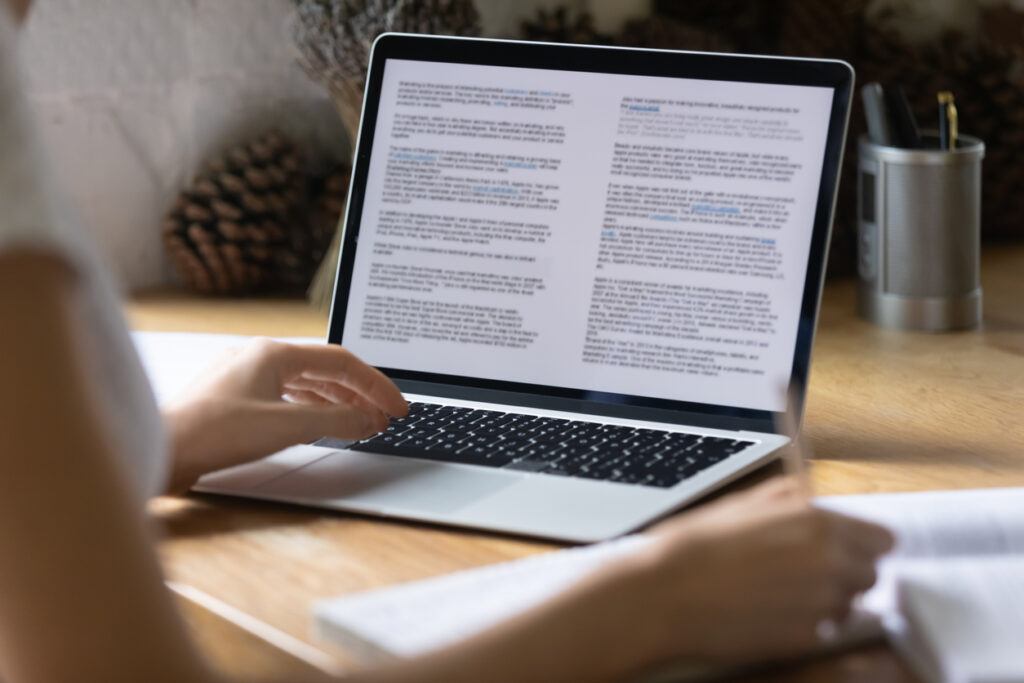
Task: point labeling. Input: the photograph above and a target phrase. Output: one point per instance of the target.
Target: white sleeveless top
(34, 214)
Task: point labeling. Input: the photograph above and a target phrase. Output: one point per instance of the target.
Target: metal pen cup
(919, 224)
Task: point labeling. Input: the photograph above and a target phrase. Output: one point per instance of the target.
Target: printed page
(964, 619)
(613, 233)
(936, 530)
(944, 523)
(175, 361)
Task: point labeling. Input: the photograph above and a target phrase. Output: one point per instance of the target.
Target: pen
(879, 130)
(948, 120)
(904, 125)
(796, 454)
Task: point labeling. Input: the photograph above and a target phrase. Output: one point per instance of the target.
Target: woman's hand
(747, 578)
(273, 395)
(751, 577)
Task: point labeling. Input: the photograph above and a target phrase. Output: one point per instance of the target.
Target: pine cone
(330, 194)
(562, 25)
(300, 257)
(233, 231)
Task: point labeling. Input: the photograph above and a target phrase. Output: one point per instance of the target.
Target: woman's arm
(745, 579)
(81, 593)
(82, 598)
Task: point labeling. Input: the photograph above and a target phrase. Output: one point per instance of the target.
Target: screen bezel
(833, 74)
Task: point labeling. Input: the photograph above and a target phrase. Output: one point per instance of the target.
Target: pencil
(796, 454)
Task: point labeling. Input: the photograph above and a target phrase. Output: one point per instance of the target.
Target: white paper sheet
(175, 360)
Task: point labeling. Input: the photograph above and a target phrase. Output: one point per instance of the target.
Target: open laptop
(593, 271)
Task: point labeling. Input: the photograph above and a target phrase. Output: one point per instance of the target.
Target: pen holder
(919, 223)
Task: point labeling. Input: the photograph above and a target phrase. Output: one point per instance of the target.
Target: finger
(863, 537)
(852, 570)
(769, 493)
(330, 391)
(304, 396)
(332, 363)
(859, 576)
(264, 427)
(838, 616)
(830, 600)
(799, 628)
(779, 488)
(303, 422)
(335, 393)
(345, 422)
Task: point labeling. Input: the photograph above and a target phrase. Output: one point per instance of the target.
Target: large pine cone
(330, 196)
(240, 228)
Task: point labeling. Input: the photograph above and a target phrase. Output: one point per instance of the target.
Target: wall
(133, 94)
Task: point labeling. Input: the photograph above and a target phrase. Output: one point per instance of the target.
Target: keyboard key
(527, 466)
(556, 446)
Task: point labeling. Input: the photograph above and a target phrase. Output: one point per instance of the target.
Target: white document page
(964, 619)
(627, 234)
(936, 524)
(933, 529)
(174, 361)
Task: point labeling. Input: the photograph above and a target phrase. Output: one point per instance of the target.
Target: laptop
(594, 272)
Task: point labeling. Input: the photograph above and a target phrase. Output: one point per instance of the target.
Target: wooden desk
(887, 411)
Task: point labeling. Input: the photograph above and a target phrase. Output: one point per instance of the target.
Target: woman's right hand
(751, 577)
(746, 578)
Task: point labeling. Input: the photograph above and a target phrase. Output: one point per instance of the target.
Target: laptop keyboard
(571, 448)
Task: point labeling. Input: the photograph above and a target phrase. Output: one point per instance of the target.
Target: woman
(81, 593)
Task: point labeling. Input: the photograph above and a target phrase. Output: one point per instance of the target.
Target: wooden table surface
(887, 411)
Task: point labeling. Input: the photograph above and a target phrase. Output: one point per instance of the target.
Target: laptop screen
(623, 234)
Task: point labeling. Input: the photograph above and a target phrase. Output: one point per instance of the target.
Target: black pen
(948, 120)
(904, 125)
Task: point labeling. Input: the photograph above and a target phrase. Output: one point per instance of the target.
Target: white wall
(133, 94)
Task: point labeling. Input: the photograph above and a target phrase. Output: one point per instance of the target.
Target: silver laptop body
(594, 273)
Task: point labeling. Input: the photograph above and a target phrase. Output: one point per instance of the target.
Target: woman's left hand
(273, 395)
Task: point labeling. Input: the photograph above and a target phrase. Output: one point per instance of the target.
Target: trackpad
(387, 483)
